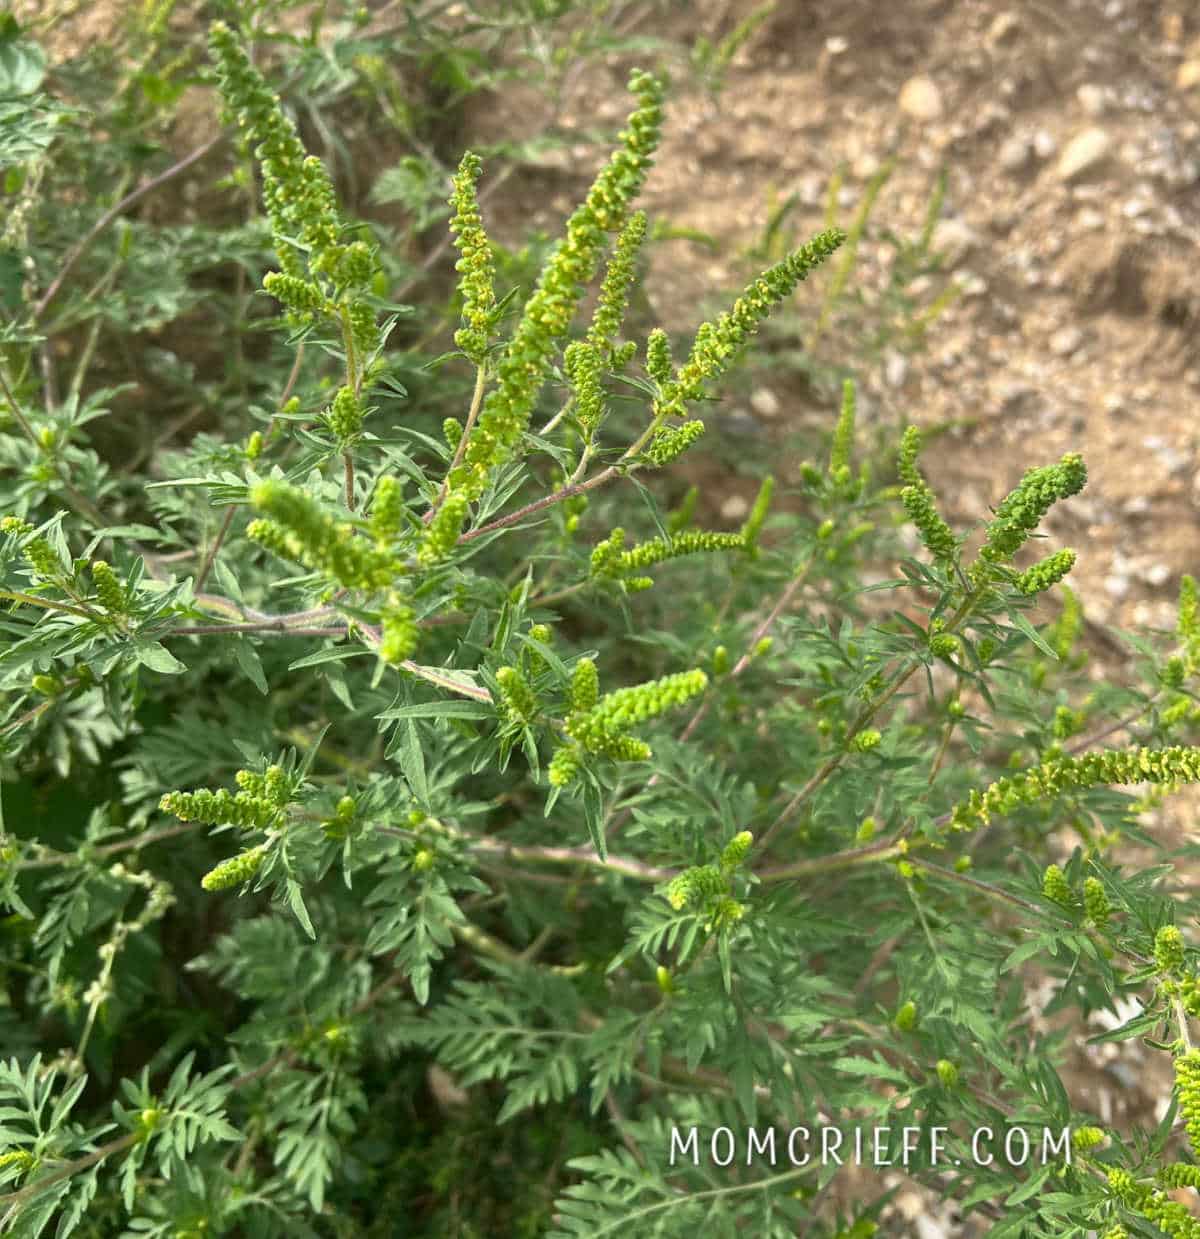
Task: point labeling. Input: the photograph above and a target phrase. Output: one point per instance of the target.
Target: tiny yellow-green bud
(906, 1016)
(1168, 949)
(947, 1072)
(866, 830)
(666, 982)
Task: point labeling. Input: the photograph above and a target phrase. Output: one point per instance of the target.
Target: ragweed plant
(460, 778)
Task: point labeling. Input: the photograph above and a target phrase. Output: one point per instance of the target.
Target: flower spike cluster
(600, 726)
(1046, 572)
(258, 805)
(299, 197)
(476, 265)
(611, 562)
(716, 344)
(919, 503)
(301, 530)
(614, 292)
(1022, 510)
(1060, 774)
(525, 364)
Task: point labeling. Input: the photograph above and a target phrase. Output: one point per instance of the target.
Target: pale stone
(765, 402)
(1091, 99)
(921, 99)
(734, 508)
(1083, 154)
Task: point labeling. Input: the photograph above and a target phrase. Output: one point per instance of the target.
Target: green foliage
(326, 867)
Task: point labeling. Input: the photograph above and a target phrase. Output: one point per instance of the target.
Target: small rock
(1014, 153)
(1139, 505)
(765, 402)
(1091, 99)
(1044, 144)
(1187, 76)
(1157, 574)
(1065, 341)
(1004, 25)
(1117, 585)
(954, 239)
(1090, 219)
(895, 369)
(921, 99)
(734, 508)
(1083, 154)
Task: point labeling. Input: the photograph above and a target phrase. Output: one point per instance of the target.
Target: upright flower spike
(582, 364)
(919, 503)
(520, 702)
(716, 344)
(1022, 510)
(476, 265)
(758, 514)
(398, 630)
(387, 511)
(843, 436)
(614, 292)
(525, 364)
(1187, 1082)
(443, 530)
(659, 363)
(1188, 628)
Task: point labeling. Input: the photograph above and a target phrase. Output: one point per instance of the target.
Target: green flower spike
(109, 590)
(581, 362)
(297, 191)
(736, 851)
(476, 265)
(1046, 572)
(345, 415)
(843, 437)
(1022, 510)
(387, 511)
(564, 766)
(1168, 950)
(220, 808)
(1069, 624)
(1060, 774)
(672, 441)
(398, 630)
(585, 686)
(1056, 888)
(1188, 629)
(613, 301)
(1095, 902)
(629, 706)
(518, 698)
(609, 561)
(758, 514)
(919, 503)
(525, 364)
(659, 363)
(235, 870)
(301, 530)
(444, 529)
(716, 344)
(696, 885)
